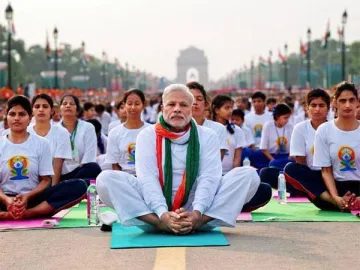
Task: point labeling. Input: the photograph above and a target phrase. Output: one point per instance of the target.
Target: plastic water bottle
(281, 188)
(246, 162)
(93, 205)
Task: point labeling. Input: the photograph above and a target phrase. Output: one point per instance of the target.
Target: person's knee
(265, 191)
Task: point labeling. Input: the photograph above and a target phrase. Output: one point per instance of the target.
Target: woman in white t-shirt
(276, 136)
(121, 146)
(336, 152)
(201, 102)
(57, 136)
(221, 109)
(26, 170)
(121, 113)
(302, 146)
(82, 140)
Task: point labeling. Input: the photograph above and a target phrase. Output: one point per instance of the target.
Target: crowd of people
(176, 163)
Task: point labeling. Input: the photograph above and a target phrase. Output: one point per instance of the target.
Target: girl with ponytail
(221, 110)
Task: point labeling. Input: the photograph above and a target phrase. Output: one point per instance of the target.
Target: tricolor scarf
(162, 130)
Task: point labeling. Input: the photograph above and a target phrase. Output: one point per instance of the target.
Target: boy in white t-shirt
(237, 118)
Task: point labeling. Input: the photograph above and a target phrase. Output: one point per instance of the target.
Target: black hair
(270, 100)
(345, 86)
(291, 105)
(76, 100)
(281, 109)
(20, 100)
(288, 99)
(108, 108)
(259, 95)
(238, 112)
(318, 93)
(137, 92)
(217, 102)
(43, 96)
(80, 113)
(96, 124)
(118, 105)
(100, 108)
(88, 105)
(198, 86)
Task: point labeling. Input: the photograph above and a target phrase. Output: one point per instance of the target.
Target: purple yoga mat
(31, 223)
(244, 217)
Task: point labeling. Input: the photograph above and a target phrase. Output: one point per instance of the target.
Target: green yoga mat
(133, 237)
(299, 212)
(77, 217)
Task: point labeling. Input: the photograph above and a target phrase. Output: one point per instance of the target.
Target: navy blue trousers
(262, 197)
(86, 172)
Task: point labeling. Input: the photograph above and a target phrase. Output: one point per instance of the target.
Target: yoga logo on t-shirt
(347, 159)
(257, 130)
(281, 143)
(131, 153)
(18, 166)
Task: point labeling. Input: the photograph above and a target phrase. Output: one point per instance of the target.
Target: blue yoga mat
(133, 237)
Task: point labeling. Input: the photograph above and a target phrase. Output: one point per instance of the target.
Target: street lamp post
(84, 64)
(308, 58)
(56, 35)
(9, 17)
(104, 69)
(343, 49)
(270, 69)
(286, 66)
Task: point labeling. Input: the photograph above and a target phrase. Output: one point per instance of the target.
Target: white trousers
(121, 191)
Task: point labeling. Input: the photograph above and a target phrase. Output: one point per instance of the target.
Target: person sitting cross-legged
(179, 187)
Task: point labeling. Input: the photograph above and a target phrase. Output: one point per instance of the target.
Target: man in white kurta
(214, 199)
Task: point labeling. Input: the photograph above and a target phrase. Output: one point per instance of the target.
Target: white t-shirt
(22, 164)
(276, 140)
(299, 118)
(339, 149)
(302, 142)
(105, 120)
(256, 122)
(220, 130)
(121, 147)
(85, 149)
(58, 138)
(249, 138)
(234, 141)
(114, 124)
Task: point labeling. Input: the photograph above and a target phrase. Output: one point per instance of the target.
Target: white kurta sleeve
(90, 149)
(147, 172)
(210, 171)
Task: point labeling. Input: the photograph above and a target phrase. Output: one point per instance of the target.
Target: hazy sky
(150, 33)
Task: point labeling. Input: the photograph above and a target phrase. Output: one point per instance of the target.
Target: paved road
(253, 246)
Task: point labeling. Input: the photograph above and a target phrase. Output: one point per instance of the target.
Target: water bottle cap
(281, 172)
(92, 182)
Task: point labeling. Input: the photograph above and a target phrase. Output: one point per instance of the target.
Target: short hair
(217, 102)
(259, 95)
(100, 108)
(345, 86)
(318, 93)
(118, 105)
(281, 109)
(177, 87)
(200, 87)
(137, 92)
(76, 100)
(270, 100)
(45, 97)
(239, 113)
(88, 105)
(20, 100)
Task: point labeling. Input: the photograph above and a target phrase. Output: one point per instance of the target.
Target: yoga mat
(356, 213)
(245, 216)
(299, 212)
(31, 223)
(133, 237)
(77, 217)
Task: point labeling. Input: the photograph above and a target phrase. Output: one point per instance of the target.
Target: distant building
(192, 65)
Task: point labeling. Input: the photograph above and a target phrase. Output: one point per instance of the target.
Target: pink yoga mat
(31, 223)
(244, 217)
(355, 212)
